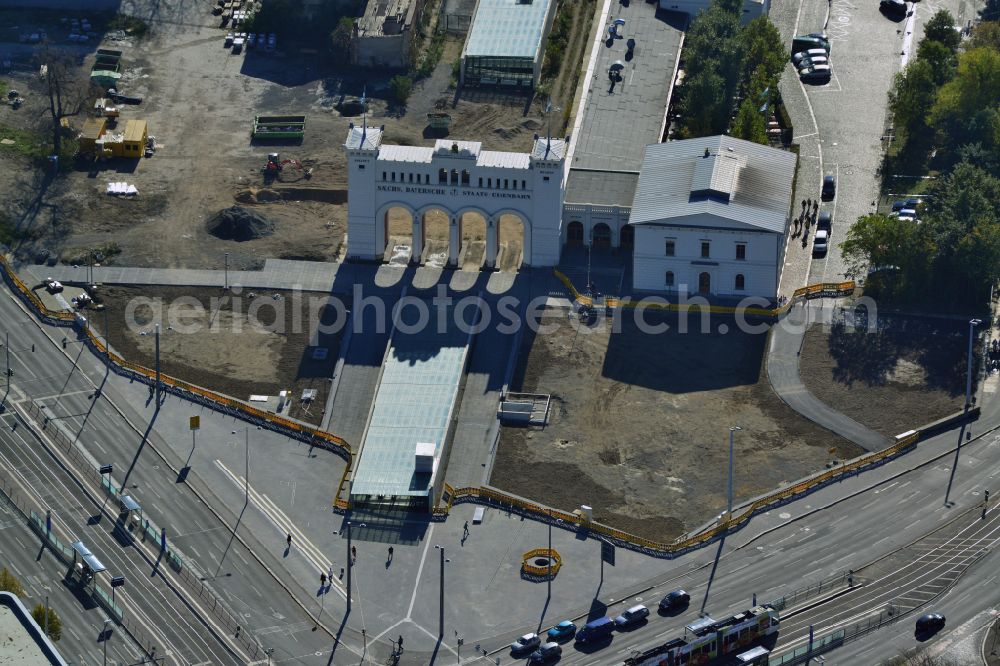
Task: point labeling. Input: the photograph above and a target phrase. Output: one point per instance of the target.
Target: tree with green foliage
(968, 105)
(763, 50)
(878, 240)
(400, 87)
(54, 623)
(911, 98)
(985, 34)
(749, 123)
(940, 58)
(9, 583)
(941, 28)
(340, 38)
(704, 102)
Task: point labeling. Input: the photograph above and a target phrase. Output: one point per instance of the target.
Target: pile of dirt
(254, 195)
(239, 224)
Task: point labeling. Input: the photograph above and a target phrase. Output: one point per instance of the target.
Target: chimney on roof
(708, 153)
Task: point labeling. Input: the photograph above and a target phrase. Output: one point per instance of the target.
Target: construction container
(279, 127)
(93, 129)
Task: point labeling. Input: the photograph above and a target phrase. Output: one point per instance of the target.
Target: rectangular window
(741, 251)
(394, 176)
(505, 183)
(480, 181)
(670, 248)
(524, 184)
(427, 179)
(705, 253)
(545, 178)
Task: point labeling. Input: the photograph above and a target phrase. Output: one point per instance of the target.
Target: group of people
(810, 210)
(993, 356)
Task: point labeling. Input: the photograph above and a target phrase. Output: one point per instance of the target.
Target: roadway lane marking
(285, 526)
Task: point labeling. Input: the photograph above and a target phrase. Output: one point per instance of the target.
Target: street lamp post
(732, 431)
(558, 520)
(441, 594)
(107, 637)
(968, 370)
(350, 563)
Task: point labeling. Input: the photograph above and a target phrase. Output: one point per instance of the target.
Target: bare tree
(69, 88)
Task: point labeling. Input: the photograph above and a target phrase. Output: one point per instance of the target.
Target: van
(595, 630)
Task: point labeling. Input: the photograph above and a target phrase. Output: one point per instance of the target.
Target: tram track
(900, 585)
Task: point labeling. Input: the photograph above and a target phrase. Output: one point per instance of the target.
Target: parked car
(675, 600)
(525, 643)
(807, 55)
(806, 42)
(53, 286)
(829, 188)
(595, 630)
(825, 220)
(821, 243)
(545, 653)
(905, 203)
(251, 40)
(561, 631)
(272, 42)
(817, 73)
(813, 62)
(893, 7)
(930, 623)
(631, 616)
(261, 41)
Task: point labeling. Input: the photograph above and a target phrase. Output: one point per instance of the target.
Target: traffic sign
(195, 422)
(608, 552)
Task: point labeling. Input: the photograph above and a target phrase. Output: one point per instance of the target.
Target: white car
(525, 643)
(812, 62)
(807, 55)
(821, 243)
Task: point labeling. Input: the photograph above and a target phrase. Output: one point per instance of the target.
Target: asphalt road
(147, 597)
(41, 575)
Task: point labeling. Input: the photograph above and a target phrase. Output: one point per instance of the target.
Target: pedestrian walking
(288, 540)
(465, 528)
(329, 575)
(354, 553)
(322, 580)
(390, 552)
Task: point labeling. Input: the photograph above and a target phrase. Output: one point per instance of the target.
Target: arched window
(443, 176)
(669, 279)
(740, 282)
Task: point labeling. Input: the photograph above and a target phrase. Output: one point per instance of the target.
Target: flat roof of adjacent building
(619, 123)
(22, 642)
(507, 28)
(601, 188)
(413, 405)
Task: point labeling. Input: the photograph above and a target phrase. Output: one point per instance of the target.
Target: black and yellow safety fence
(211, 399)
(820, 290)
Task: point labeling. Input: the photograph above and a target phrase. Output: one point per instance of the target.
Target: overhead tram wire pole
(968, 370)
(441, 594)
(968, 405)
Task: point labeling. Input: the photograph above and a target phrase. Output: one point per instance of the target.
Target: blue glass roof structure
(507, 28)
(416, 394)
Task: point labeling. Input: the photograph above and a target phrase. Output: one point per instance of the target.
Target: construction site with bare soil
(235, 342)
(197, 103)
(639, 425)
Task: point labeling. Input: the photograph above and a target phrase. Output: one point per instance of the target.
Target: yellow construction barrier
(329, 439)
(536, 570)
(820, 290)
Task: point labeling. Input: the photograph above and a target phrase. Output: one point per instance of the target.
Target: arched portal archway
(601, 235)
(397, 235)
(704, 283)
(435, 223)
(472, 230)
(512, 238)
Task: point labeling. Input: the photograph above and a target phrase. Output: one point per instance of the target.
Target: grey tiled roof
(747, 183)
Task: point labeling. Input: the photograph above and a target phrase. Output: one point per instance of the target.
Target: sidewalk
(783, 373)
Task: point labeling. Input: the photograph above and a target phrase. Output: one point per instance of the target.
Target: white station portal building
(456, 178)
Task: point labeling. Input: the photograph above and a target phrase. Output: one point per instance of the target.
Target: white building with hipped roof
(711, 216)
